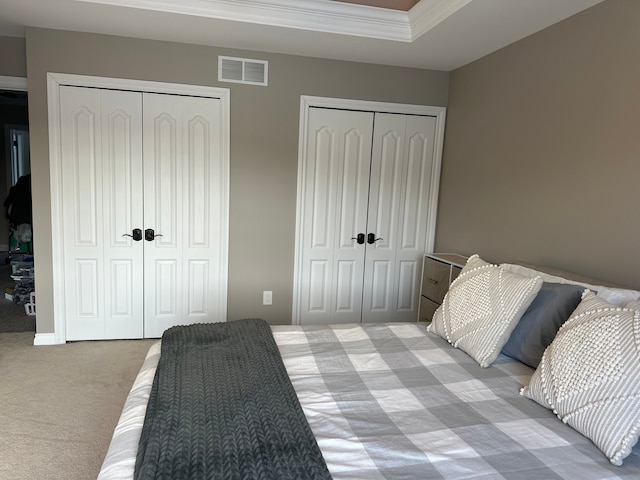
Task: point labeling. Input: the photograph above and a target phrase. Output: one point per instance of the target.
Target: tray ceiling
(433, 34)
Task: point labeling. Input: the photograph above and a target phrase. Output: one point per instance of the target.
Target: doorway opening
(17, 297)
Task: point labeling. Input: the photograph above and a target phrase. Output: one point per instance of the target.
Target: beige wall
(13, 61)
(264, 143)
(542, 149)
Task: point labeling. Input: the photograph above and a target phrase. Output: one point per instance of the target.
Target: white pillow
(616, 296)
(482, 307)
(634, 304)
(590, 375)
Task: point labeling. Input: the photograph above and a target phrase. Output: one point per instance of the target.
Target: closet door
(152, 162)
(376, 181)
(401, 166)
(336, 184)
(183, 188)
(102, 151)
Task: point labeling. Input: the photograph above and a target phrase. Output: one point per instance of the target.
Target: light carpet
(12, 317)
(59, 404)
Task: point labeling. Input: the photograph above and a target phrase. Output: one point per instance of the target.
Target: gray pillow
(538, 326)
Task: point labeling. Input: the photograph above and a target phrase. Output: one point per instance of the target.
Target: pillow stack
(585, 347)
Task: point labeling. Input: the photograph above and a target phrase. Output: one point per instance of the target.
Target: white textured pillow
(482, 307)
(590, 375)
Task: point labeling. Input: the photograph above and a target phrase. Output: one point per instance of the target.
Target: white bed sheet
(120, 460)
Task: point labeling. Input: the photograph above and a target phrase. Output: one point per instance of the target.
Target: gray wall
(264, 143)
(542, 149)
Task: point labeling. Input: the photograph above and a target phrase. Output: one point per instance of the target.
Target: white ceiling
(435, 34)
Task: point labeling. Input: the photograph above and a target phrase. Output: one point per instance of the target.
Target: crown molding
(426, 14)
(315, 15)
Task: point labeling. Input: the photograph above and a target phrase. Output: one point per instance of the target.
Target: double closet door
(367, 184)
(142, 181)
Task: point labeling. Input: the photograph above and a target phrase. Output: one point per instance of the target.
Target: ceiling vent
(243, 70)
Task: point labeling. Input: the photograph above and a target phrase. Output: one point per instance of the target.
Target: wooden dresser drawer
(438, 271)
(455, 271)
(427, 309)
(435, 279)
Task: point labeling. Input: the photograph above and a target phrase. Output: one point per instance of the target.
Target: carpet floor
(59, 404)
(12, 317)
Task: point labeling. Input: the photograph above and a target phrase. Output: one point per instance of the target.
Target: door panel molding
(339, 153)
(54, 82)
(191, 173)
(403, 228)
(433, 177)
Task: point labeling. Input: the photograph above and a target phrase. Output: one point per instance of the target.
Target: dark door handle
(150, 235)
(359, 238)
(137, 234)
(371, 238)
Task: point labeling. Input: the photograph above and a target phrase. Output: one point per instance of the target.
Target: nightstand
(438, 271)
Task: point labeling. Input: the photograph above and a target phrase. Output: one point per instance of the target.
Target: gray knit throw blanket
(222, 407)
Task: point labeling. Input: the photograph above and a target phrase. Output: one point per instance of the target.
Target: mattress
(394, 401)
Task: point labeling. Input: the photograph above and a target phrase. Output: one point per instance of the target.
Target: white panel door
(183, 188)
(401, 166)
(364, 179)
(134, 160)
(336, 187)
(102, 151)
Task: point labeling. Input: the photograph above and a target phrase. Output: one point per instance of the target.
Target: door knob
(137, 234)
(371, 238)
(150, 235)
(359, 238)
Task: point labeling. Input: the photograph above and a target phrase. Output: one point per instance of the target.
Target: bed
(401, 400)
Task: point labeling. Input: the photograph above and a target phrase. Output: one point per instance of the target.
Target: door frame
(8, 129)
(307, 102)
(54, 82)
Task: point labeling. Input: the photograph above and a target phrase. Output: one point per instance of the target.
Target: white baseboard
(45, 339)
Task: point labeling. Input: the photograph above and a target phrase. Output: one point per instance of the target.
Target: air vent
(243, 70)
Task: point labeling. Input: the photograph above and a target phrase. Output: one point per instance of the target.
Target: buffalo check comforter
(392, 401)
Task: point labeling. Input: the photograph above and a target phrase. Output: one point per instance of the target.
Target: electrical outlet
(267, 297)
